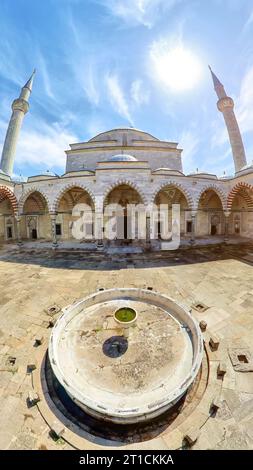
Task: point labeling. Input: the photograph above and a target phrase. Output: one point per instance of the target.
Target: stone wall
(80, 160)
(147, 184)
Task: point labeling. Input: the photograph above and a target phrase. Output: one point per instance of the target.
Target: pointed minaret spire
(225, 105)
(219, 88)
(20, 107)
(29, 83)
(27, 88)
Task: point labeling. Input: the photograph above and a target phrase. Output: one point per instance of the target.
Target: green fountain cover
(125, 314)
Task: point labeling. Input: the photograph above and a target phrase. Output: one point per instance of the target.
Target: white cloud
(138, 93)
(80, 56)
(222, 163)
(90, 85)
(215, 162)
(43, 146)
(189, 142)
(42, 67)
(248, 23)
(94, 126)
(244, 103)
(117, 97)
(134, 12)
(219, 133)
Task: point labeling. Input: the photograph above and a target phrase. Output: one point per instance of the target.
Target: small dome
(247, 167)
(48, 173)
(20, 179)
(4, 176)
(122, 158)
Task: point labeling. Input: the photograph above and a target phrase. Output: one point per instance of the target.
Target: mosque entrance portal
(32, 231)
(215, 222)
(237, 224)
(34, 234)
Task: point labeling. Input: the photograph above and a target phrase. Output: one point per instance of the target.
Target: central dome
(122, 158)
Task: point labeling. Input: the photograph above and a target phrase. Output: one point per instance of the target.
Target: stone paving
(220, 277)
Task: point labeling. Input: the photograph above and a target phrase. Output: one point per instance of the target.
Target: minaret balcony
(20, 105)
(224, 103)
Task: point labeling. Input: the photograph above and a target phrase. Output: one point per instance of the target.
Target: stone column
(226, 237)
(193, 220)
(99, 230)
(148, 240)
(18, 220)
(53, 216)
(159, 224)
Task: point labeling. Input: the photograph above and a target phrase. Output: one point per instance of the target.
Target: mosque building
(125, 166)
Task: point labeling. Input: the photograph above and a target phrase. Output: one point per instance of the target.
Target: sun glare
(177, 68)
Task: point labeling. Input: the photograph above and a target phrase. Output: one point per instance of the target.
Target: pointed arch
(6, 193)
(244, 189)
(67, 188)
(28, 193)
(174, 184)
(127, 183)
(218, 191)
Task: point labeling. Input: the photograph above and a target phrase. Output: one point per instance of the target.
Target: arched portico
(173, 194)
(71, 203)
(240, 206)
(8, 213)
(120, 216)
(35, 219)
(210, 220)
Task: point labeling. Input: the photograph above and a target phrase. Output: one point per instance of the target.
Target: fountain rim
(128, 294)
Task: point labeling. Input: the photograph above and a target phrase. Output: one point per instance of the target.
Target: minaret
(225, 105)
(20, 107)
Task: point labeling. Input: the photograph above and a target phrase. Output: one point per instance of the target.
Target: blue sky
(95, 72)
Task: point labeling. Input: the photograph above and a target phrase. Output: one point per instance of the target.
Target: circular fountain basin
(125, 317)
(119, 379)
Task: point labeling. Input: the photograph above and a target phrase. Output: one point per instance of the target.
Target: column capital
(17, 217)
(194, 213)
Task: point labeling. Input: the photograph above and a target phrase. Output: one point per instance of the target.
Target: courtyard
(219, 279)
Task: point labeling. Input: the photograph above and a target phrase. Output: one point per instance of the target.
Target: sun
(177, 68)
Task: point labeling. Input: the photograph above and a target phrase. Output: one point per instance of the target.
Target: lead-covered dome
(122, 158)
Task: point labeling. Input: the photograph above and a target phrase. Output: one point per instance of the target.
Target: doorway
(32, 227)
(9, 232)
(125, 227)
(34, 234)
(237, 224)
(215, 224)
(237, 227)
